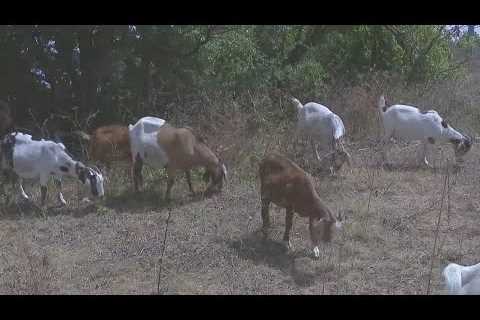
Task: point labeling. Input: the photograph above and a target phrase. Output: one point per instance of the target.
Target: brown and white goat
(178, 149)
(288, 186)
(108, 144)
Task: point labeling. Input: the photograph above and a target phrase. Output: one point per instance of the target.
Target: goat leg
(170, 182)
(423, 155)
(22, 192)
(265, 217)
(189, 181)
(313, 238)
(385, 145)
(288, 227)
(315, 149)
(43, 190)
(137, 173)
(58, 184)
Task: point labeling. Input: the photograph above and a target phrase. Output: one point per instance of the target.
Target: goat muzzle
(463, 146)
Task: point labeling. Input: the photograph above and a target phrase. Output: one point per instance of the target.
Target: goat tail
(82, 135)
(297, 103)
(382, 105)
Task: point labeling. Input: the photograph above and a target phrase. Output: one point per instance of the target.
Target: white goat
(322, 127)
(144, 146)
(408, 123)
(462, 279)
(33, 159)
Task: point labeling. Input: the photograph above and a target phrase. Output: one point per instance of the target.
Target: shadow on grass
(148, 199)
(274, 254)
(17, 210)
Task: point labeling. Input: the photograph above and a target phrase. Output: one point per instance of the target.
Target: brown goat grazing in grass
(184, 151)
(288, 186)
(108, 144)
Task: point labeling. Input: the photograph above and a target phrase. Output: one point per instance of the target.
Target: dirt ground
(213, 245)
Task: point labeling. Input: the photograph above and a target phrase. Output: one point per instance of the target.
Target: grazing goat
(288, 186)
(33, 159)
(322, 127)
(176, 149)
(408, 123)
(144, 147)
(462, 279)
(107, 144)
(184, 152)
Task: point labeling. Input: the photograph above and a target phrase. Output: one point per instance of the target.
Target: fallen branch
(446, 180)
(163, 252)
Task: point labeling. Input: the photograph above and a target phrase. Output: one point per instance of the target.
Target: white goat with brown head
(408, 123)
(288, 186)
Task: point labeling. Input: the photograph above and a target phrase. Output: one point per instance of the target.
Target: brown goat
(184, 152)
(108, 144)
(288, 186)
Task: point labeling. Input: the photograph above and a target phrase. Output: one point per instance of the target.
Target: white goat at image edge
(462, 280)
(407, 123)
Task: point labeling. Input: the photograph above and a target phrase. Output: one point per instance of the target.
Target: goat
(322, 127)
(462, 279)
(408, 123)
(288, 186)
(175, 149)
(144, 147)
(186, 151)
(33, 159)
(107, 144)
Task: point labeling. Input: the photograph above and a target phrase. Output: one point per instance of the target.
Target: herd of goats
(154, 142)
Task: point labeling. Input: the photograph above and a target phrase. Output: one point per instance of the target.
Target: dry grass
(213, 245)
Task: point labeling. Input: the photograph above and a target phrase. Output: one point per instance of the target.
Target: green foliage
(125, 71)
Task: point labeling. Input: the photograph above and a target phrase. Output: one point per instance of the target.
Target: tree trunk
(88, 81)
